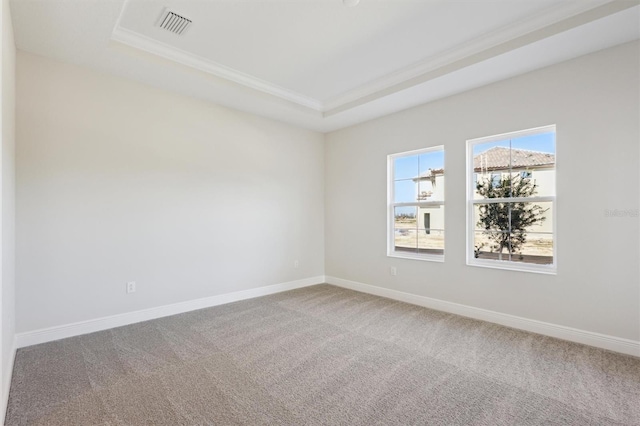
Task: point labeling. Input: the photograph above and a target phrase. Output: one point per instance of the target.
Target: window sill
(417, 256)
(507, 265)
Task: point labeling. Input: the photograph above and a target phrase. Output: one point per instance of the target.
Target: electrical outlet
(296, 263)
(131, 287)
(393, 271)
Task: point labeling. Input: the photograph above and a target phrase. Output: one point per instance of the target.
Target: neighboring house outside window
(431, 187)
(511, 212)
(416, 204)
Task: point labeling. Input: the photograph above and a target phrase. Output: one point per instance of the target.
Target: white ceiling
(316, 63)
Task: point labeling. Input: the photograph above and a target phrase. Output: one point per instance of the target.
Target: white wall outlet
(393, 271)
(296, 263)
(131, 287)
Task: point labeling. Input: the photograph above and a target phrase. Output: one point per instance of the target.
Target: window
(511, 200)
(416, 204)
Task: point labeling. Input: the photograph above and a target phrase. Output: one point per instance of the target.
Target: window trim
(391, 252)
(470, 231)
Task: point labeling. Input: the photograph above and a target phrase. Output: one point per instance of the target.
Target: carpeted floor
(321, 356)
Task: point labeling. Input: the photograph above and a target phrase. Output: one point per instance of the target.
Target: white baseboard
(75, 329)
(612, 343)
(7, 376)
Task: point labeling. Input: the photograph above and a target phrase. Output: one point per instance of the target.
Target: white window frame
(391, 251)
(471, 202)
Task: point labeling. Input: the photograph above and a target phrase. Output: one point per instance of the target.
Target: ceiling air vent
(175, 23)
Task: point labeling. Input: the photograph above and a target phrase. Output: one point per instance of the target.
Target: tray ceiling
(316, 63)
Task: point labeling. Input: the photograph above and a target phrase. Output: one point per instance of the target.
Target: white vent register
(175, 23)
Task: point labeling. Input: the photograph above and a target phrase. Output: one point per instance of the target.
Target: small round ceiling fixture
(350, 3)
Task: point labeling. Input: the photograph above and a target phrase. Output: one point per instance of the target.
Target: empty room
(320, 212)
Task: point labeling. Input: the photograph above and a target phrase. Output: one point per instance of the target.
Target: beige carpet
(321, 356)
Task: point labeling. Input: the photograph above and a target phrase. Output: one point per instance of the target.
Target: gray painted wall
(594, 101)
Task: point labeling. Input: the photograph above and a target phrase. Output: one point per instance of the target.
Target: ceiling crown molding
(565, 16)
(147, 44)
(542, 25)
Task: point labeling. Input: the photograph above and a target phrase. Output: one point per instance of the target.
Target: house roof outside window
(498, 158)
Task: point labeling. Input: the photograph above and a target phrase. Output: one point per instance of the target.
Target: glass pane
(492, 184)
(489, 245)
(532, 248)
(431, 161)
(405, 239)
(533, 151)
(493, 217)
(537, 182)
(533, 159)
(531, 217)
(502, 184)
(431, 241)
(426, 189)
(491, 156)
(405, 191)
(405, 218)
(431, 217)
(431, 188)
(535, 248)
(405, 167)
